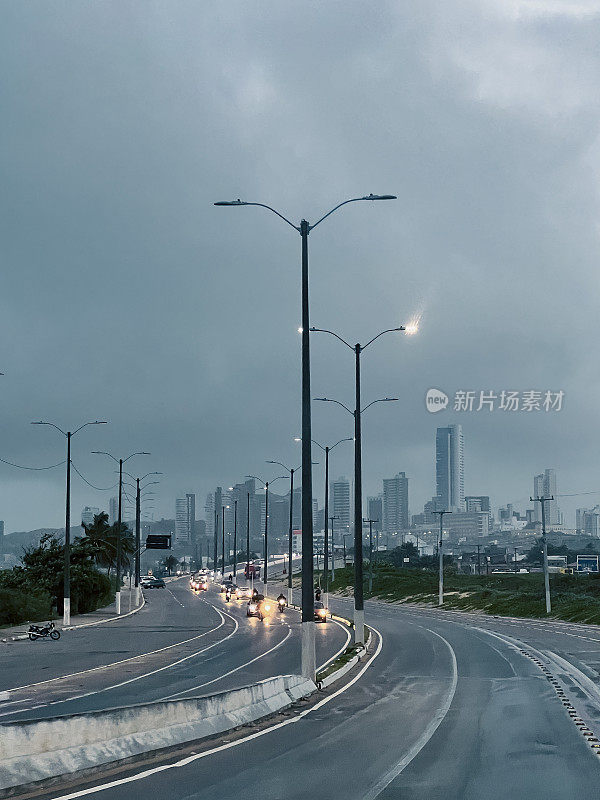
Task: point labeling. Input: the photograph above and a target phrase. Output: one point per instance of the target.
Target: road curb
(342, 670)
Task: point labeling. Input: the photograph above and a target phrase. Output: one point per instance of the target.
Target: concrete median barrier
(40, 749)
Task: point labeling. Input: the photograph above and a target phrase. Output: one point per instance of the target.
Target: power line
(98, 488)
(35, 469)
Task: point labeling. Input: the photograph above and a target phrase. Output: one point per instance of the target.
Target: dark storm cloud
(127, 296)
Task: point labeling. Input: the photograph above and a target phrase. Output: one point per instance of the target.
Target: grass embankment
(574, 598)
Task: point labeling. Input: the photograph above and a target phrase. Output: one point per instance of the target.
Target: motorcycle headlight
(252, 607)
(267, 607)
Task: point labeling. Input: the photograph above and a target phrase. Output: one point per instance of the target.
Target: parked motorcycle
(41, 631)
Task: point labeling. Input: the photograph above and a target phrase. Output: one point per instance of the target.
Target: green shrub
(17, 606)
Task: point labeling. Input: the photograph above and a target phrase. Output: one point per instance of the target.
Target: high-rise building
(480, 502)
(113, 510)
(339, 499)
(588, 521)
(375, 511)
(88, 514)
(395, 503)
(209, 514)
(544, 485)
(185, 516)
(449, 468)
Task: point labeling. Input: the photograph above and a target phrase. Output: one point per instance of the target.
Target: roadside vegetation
(33, 591)
(574, 597)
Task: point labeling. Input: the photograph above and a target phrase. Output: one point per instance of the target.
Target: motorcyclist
(281, 600)
(228, 594)
(317, 593)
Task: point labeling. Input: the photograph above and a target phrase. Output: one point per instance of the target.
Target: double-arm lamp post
(359, 608)
(67, 563)
(138, 516)
(291, 526)
(266, 485)
(327, 449)
(308, 608)
(120, 462)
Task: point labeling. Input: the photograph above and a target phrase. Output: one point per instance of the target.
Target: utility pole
(543, 501)
(371, 521)
(441, 555)
(515, 559)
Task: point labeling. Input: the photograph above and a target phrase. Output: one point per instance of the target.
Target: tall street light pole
(266, 485)
(308, 610)
(234, 540)
(542, 501)
(359, 608)
(441, 555)
(138, 533)
(248, 536)
(120, 462)
(223, 543)
(215, 543)
(291, 525)
(327, 449)
(67, 561)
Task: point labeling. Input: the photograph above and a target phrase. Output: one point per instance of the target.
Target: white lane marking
(174, 598)
(427, 733)
(138, 677)
(115, 663)
(231, 671)
(342, 648)
(257, 658)
(190, 759)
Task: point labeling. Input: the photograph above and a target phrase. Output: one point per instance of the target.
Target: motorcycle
(41, 631)
(281, 604)
(227, 596)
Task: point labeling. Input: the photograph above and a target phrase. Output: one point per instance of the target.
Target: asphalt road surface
(180, 644)
(451, 706)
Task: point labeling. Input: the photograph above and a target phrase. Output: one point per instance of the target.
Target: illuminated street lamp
(359, 612)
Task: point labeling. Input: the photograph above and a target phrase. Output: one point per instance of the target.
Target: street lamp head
(380, 197)
(297, 439)
(237, 202)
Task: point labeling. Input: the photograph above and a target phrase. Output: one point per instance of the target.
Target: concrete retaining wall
(40, 749)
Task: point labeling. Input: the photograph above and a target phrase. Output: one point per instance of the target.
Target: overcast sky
(127, 296)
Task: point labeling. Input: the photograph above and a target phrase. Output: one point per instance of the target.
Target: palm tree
(170, 563)
(98, 533)
(104, 538)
